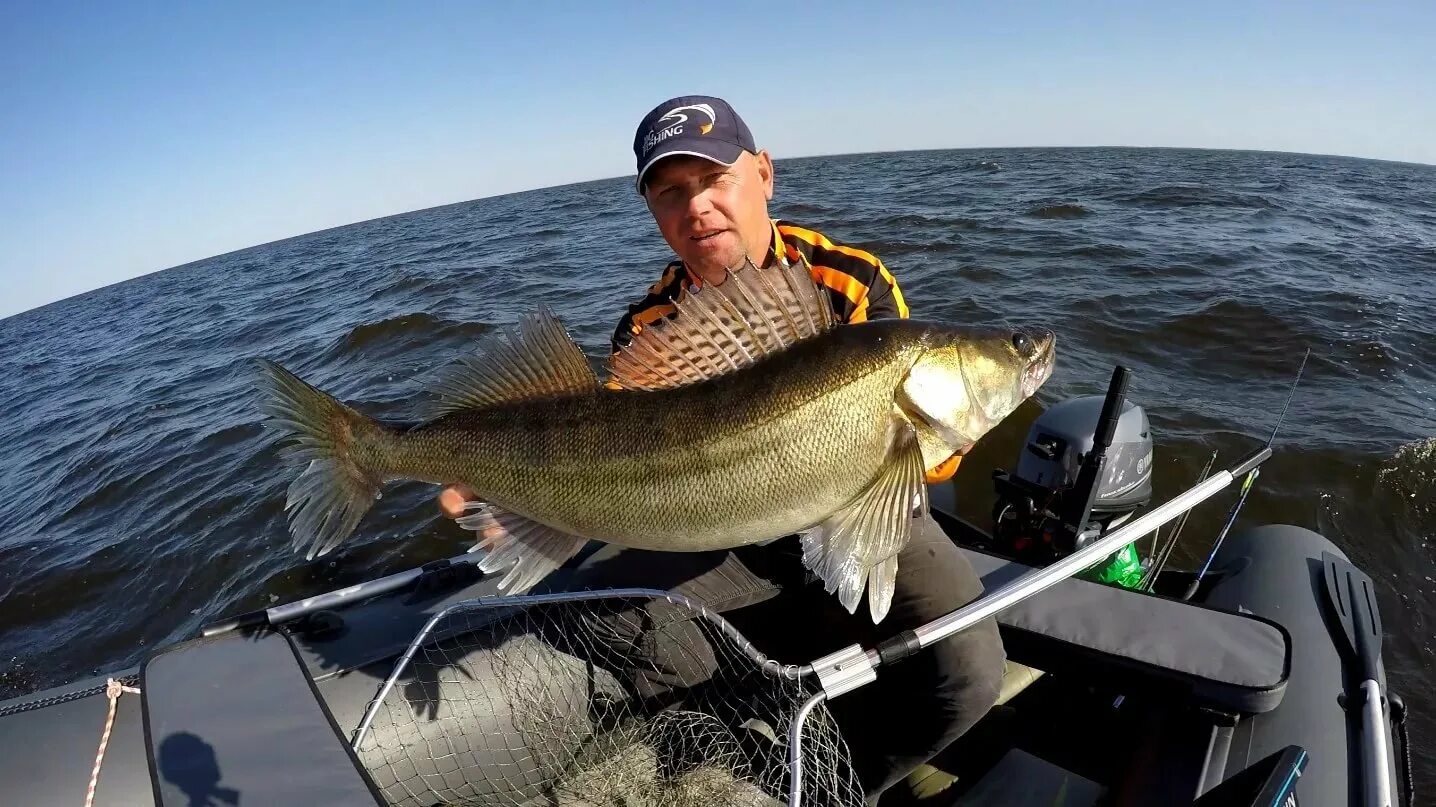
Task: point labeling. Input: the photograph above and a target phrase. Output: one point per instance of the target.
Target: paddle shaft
(1366, 641)
(331, 599)
(1375, 753)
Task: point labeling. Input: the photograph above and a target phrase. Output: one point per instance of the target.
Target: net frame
(809, 764)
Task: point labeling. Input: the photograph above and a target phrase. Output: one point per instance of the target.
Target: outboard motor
(1059, 499)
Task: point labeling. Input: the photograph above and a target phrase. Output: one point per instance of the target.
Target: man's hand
(453, 498)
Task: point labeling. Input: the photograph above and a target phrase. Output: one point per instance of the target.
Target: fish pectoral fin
(534, 359)
(857, 546)
(528, 549)
(724, 327)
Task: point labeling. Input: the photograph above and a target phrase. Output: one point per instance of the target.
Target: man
(707, 186)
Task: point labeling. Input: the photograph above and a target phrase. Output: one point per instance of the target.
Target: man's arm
(656, 303)
(861, 286)
(885, 298)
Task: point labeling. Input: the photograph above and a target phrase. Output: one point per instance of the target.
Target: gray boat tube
(1276, 571)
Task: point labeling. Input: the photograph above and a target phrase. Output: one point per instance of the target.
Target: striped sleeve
(657, 303)
(860, 286)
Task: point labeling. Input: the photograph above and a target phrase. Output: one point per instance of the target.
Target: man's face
(709, 214)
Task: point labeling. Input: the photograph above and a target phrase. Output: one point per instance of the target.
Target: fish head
(964, 381)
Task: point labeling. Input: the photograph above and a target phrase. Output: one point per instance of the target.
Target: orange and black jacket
(859, 286)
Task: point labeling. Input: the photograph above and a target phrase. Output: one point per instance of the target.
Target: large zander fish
(750, 416)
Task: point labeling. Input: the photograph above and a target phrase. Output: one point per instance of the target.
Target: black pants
(912, 711)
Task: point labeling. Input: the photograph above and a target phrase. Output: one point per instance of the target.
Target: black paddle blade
(1353, 602)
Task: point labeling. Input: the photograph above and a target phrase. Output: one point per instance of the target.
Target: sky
(140, 136)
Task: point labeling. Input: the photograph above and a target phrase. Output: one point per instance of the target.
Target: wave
(572, 204)
(1163, 272)
(1065, 210)
(1194, 196)
(405, 326)
(798, 210)
(1267, 338)
(1105, 251)
(1413, 468)
(403, 283)
(445, 248)
(921, 222)
(550, 232)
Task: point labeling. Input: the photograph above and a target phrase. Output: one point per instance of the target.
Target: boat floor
(1074, 743)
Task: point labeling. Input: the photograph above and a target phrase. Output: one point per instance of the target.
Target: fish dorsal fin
(724, 327)
(533, 359)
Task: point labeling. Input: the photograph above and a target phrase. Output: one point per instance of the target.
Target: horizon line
(776, 160)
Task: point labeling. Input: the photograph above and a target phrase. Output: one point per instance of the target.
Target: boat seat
(235, 719)
(1230, 662)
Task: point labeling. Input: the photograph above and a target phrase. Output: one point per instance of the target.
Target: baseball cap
(696, 125)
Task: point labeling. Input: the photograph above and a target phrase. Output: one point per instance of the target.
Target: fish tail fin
(336, 488)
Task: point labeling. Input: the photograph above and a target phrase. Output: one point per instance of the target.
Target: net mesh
(592, 702)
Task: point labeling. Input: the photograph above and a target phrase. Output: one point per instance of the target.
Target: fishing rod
(1245, 489)
(1159, 560)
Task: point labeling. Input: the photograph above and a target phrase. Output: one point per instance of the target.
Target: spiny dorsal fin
(533, 359)
(721, 328)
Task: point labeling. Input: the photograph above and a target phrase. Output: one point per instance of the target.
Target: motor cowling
(1030, 500)
(1061, 438)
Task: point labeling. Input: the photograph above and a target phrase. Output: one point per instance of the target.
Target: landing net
(596, 699)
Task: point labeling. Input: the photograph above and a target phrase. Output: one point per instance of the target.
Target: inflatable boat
(1254, 680)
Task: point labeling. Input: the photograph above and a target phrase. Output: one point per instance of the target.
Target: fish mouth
(1040, 368)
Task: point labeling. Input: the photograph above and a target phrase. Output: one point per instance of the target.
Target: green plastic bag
(1122, 569)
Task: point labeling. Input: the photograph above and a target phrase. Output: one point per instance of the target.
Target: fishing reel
(1085, 469)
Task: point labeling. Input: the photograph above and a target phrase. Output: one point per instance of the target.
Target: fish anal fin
(533, 359)
(856, 548)
(527, 549)
(722, 327)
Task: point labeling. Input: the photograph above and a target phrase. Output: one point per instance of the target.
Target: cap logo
(672, 123)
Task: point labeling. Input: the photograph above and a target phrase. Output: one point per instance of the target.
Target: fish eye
(1021, 343)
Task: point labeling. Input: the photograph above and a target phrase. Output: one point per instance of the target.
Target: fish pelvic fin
(721, 328)
(332, 493)
(528, 549)
(534, 359)
(857, 547)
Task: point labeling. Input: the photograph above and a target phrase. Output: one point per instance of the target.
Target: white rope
(113, 689)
